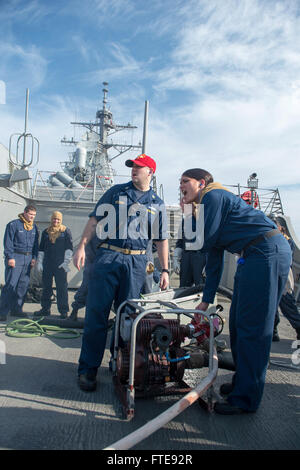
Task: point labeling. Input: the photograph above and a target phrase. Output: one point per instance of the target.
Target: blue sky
(222, 78)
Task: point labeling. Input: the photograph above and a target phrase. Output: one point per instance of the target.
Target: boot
(19, 314)
(87, 381)
(73, 315)
(41, 313)
(226, 388)
(275, 335)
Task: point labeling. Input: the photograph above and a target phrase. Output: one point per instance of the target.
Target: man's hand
(202, 306)
(11, 263)
(164, 281)
(88, 233)
(79, 257)
(33, 261)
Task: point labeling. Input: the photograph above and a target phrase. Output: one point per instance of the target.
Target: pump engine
(153, 361)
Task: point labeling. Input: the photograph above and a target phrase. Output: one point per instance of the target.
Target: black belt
(259, 239)
(26, 253)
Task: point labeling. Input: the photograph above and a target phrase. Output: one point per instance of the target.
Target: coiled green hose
(26, 328)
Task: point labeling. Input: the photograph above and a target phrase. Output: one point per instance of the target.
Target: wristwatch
(165, 271)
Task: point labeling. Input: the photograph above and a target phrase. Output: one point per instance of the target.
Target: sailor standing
(21, 240)
(230, 224)
(81, 293)
(119, 270)
(55, 254)
(188, 263)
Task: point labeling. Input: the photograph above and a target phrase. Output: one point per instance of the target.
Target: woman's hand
(202, 306)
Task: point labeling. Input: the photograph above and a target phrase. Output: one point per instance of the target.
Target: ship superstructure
(84, 176)
(90, 165)
(89, 172)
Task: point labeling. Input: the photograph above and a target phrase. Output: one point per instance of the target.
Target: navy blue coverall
(53, 257)
(152, 277)
(116, 276)
(81, 293)
(230, 224)
(192, 262)
(22, 246)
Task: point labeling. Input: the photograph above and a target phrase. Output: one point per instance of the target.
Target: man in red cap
(142, 160)
(119, 269)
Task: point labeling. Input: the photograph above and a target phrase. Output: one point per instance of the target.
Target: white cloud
(238, 47)
(122, 66)
(19, 10)
(22, 65)
(99, 12)
(236, 64)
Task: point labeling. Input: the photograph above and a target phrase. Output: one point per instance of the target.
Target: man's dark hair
(199, 174)
(30, 207)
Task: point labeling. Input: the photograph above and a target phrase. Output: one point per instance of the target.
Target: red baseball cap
(142, 160)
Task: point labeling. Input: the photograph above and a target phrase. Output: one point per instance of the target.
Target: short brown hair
(30, 207)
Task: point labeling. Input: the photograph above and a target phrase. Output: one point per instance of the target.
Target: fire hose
(149, 428)
(192, 395)
(26, 328)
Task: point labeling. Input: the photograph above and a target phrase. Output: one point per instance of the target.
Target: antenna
(145, 127)
(105, 91)
(23, 137)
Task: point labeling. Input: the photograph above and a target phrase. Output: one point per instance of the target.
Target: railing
(89, 192)
(269, 200)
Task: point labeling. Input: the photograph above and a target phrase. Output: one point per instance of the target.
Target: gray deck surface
(41, 406)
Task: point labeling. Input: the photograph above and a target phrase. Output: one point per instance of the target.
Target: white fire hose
(140, 434)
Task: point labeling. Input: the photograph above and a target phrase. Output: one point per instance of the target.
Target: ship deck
(41, 406)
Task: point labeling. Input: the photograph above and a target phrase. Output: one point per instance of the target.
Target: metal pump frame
(170, 307)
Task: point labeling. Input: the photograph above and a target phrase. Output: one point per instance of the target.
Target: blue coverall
(53, 257)
(230, 224)
(116, 276)
(288, 305)
(81, 293)
(152, 277)
(22, 246)
(192, 262)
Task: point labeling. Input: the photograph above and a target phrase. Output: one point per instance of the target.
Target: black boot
(226, 388)
(19, 314)
(275, 335)
(73, 315)
(41, 313)
(87, 381)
